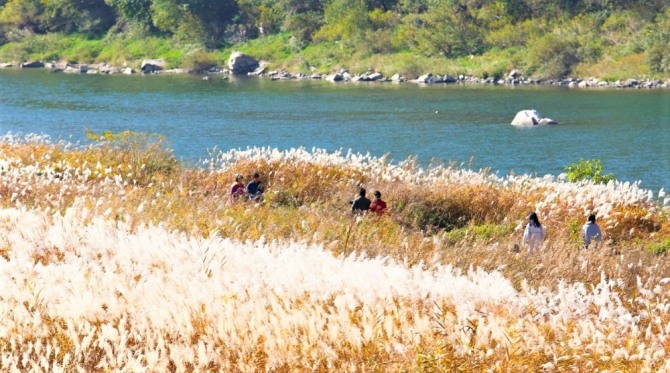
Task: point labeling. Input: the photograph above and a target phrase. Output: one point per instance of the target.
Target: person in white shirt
(533, 234)
(591, 231)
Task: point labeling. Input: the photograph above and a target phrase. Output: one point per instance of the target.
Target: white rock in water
(531, 118)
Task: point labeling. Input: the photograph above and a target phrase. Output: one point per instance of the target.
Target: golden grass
(308, 202)
(615, 68)
(467, 225)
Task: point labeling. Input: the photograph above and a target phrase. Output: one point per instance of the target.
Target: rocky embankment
(242, 64)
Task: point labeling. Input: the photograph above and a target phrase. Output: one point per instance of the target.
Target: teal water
(629, 130)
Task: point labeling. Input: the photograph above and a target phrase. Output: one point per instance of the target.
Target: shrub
(434, 213)
(199, 61)
(144, 154)
(660, 247)
(657, 42)
(587, 170)
(553, 56)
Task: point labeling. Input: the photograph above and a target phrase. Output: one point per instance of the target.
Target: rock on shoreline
(245, 65)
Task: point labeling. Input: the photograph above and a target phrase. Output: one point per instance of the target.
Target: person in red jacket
(378, 205)
(237, 190)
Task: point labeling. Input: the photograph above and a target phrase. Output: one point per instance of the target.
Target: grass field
(115, 257)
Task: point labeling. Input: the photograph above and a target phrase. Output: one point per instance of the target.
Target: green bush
(657, 43)
(552, 56)
(660, 248)
(434, 215)
(199, 61)
(575, 232)
(588, 170)
(518, 34)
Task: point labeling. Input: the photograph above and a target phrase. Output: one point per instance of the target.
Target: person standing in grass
(361, 203)
(254, 188)
(533, 234)
(378, 205)
(591, 231)
(237, 190)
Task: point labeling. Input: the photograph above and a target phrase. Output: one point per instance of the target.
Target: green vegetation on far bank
(607, 39)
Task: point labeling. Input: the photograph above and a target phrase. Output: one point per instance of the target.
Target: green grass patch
(660, 248)
(479, 233)
(123, 51)
(274, 48)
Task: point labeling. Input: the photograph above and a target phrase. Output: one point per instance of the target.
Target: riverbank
(343, 75)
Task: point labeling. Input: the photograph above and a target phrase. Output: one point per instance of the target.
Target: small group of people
(362, 204)
(534, 232)
(251, 192)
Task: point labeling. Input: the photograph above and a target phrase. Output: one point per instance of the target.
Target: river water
(629, 130)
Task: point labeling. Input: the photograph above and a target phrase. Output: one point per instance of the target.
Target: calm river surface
(629, 130)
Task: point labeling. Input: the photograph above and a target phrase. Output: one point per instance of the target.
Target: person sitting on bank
(361, 203)
(591, 231)
(255, 188)
(533, 234)
(237, 190)
(378, 205)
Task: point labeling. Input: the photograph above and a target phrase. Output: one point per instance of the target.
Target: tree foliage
(559, 34)
(658, 44)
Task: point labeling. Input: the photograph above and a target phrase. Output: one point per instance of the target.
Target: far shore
(513, 78)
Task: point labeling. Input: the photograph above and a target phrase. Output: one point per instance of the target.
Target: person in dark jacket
(361, 203)
(255, 188)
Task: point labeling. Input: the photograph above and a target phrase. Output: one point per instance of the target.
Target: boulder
(74, 69)
(240, 63)
(375, 77)
(32, 64)
(449, 79)
(260, 70)
(5, 65)
(337, 77)
(396, 78)
(150, 66)
(531, 118)
(427, 78)
(69, 69)
(108, 69)
(176, 71)
(128, 71)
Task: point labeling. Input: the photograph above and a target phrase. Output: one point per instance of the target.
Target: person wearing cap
(591, 231)
(361, 203)
(237, 189)
(378, 205)
(254, 188)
